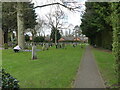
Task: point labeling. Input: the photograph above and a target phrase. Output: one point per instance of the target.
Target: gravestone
(63, 45)
(74, 45)
(34, 55)
(43, 47)
(56, 45)
(47, 46)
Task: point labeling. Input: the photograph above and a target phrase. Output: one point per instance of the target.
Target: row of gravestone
(46, 47)
(52, 44)
(58, 45)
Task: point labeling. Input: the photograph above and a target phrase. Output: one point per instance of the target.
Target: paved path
(88, 75)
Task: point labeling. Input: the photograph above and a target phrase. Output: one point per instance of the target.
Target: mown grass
(106, 63)
(55, 68)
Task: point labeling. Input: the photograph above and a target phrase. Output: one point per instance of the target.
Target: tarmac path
(88, 75)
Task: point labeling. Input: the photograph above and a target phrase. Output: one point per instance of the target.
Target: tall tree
(20, 18)
(55, 22)
(101, 19)
(71, 5)
(95, 24)
(55, 33)
(26, 18)
(9, 20)
(10, 16)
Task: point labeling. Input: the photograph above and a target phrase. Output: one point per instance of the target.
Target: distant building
(72, 38)
(61, 39)
(47, 38)
(69, 38)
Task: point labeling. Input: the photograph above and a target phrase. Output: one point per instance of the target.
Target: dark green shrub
(9, 82)
(38, 39)
(6, 46)
(27, 38)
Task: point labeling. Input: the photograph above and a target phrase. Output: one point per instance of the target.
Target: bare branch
(70, 8)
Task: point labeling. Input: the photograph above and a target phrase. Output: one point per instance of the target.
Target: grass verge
(55, 68)
(106, 62)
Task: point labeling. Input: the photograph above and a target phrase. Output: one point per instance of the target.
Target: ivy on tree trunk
(20, 24)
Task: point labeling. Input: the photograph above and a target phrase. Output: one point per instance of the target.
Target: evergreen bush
(8, 81)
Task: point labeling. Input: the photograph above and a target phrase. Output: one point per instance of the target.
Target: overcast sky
(71, 17)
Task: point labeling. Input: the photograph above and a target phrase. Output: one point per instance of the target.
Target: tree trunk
(6, 39)
(12, 38)
(33, 36)
(16, 37)
(6, 36)
(1, 37)
(20, 24)
(55, 37)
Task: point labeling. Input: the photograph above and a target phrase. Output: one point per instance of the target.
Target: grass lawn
(55, 68)
(105, 61)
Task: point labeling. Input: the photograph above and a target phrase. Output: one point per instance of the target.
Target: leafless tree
(69, 4)
(55, 21)
(39, 27)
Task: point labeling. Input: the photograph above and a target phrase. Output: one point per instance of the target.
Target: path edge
(101, 77)
(73, 82)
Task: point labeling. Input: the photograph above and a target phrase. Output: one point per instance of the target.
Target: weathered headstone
(56, 45)
(74, 45)
(34, 55)
(47, 46)
(43, 47)
(63, 45)
(60, 45)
